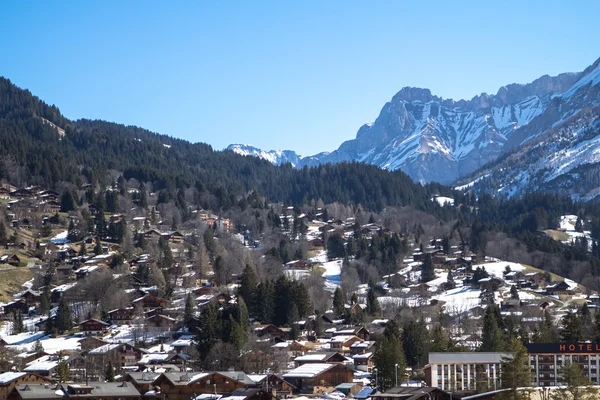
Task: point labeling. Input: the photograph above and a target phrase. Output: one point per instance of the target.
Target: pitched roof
(309, 370)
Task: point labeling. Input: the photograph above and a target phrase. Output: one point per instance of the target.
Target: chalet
(270, 331)
(49, 195)
(93, 326)
(17, 306)
(559, 288)
(342, 343)
(121, 354)
(91, 342)
(183, 385)
(143, 381)
(175, 237)
(32, 297)
(104, 391)
(318, 378)
(514, 276)
(65, 271)
(363, 362)
(291, 347)
(22, 193)
(50, 206)
(11, 259)
(320, 358)
(273, 384)
(150, 301)
(364, 346)
(152, 234)
(297, 264)
(359, 331)
(4, 193)
(9, 380)
(94, 210)
(162, 321)
(534, 277)
(121, 315)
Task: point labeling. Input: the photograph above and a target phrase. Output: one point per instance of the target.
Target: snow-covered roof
(308, 370)
(104, 349)
(10, 376)
(312, 357)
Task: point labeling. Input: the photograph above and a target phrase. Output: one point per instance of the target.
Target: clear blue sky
(301, 75)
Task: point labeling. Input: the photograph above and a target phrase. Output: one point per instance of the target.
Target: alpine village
(135, 265)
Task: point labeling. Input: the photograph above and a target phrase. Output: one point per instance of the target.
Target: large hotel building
(467, 370)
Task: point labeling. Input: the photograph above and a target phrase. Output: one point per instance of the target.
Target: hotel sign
(557, 348)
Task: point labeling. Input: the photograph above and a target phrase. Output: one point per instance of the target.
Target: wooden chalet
(22, 193)
(93, 326)
(364, 361)
(32, 297)
(121, 315)
(17, 306)
(182, 385)
(320, 358)
(11, 259)
(342, 343)
(318, 378)
(270, 331)
(559, 288)
(9, 380)
(91, 342)
(121, 354)
(151, 301)
(97, 390)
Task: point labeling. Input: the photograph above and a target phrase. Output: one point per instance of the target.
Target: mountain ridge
(443, 140)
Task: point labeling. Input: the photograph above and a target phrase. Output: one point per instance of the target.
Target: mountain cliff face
(559, 151)
(435, 139)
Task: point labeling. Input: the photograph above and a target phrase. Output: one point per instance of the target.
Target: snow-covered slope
(276, 157)
(559, 153)
(435, 139)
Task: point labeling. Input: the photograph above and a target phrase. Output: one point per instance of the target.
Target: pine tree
(574, 385)
(339, 304)
(572, 330)
(38, 348)
(243, 317)
(301, 299)
(237, 334)
(247, 288)
(492, 338)
(64, 321)
(414, 342)
(586, 322)
(439, 341)
(372, 303)
(427, 270)
(515, 372)
(546, 331)
(450, 284)
(514, 293)
(109, 374)
(98, 247)
(62, 371)
(17, 323)
(190, 309)
(389, 359)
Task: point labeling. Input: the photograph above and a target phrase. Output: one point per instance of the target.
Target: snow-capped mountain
(558, 152)
(276, 157)
(435, 139)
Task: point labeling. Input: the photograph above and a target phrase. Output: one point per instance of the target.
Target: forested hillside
(35, 153)
(41, 147)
